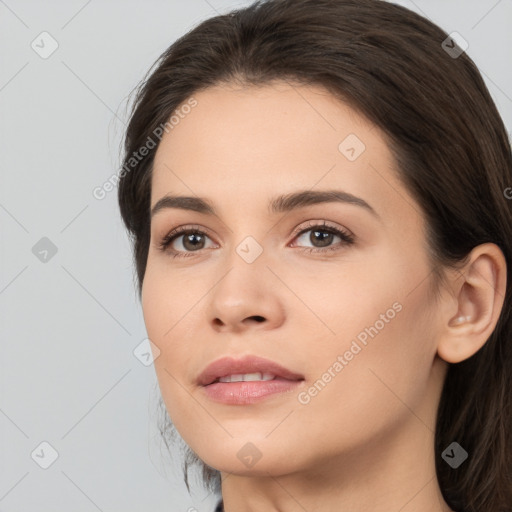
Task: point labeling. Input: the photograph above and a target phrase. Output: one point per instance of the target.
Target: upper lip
(248, 364)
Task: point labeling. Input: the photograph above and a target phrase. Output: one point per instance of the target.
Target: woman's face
(350, 315)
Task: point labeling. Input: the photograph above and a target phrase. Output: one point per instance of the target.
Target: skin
(365, 442)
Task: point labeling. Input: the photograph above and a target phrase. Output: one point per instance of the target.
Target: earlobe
(479, 295)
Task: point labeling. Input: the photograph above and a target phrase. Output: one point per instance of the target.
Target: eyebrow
(279, 204)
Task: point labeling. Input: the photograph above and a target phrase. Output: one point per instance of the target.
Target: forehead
(268, 121)
(252, 142)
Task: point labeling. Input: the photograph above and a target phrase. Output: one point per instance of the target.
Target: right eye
(191, 240)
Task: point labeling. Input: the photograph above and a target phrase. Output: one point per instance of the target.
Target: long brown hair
(451, 150)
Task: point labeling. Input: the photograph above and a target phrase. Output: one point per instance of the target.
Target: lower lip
(240, 393)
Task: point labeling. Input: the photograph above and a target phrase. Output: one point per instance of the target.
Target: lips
(249, 364)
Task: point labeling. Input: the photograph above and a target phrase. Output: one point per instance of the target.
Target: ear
(473, 310)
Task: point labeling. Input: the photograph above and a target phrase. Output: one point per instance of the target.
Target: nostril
(258, 318)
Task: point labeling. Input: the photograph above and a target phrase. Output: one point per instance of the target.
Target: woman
(317, 197)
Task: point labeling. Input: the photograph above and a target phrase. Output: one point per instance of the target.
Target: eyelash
(347, 239)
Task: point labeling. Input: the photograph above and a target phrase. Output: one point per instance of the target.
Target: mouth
(246, 369)
(247, 380)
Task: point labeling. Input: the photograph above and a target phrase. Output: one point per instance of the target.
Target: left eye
(323, 236)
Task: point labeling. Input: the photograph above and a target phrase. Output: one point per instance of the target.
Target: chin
(243, 457)
(261, 468)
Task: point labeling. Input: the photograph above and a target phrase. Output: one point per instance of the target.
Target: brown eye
(183, 242)
(322, 236)
(193, 241)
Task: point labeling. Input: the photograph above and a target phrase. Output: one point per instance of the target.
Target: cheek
(378, 314)
(162, 309)
(171, 305)
(168, 297)
(386, 349)
(370, 398)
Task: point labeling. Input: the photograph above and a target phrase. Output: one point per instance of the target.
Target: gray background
(70, 324)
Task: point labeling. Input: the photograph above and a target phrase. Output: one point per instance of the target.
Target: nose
(247, 297)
